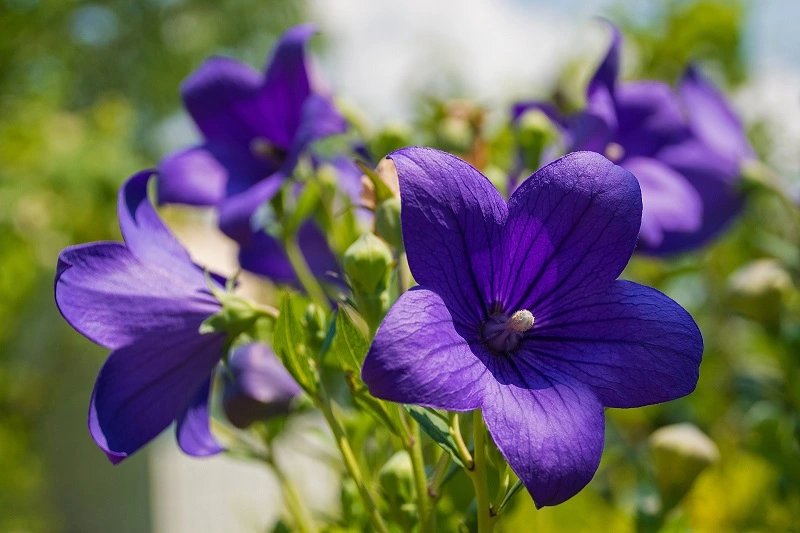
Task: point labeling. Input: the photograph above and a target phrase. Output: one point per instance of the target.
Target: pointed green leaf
(437, 428)
(289, 345)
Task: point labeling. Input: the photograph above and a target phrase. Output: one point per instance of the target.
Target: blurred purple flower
(258, 387)
(255, 127)
(145, 300)
(686, 150)
(265, 255)
(519, 312)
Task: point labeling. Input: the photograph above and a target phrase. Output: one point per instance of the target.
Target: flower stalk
(304, 274)
(477, 474)
(291, 498)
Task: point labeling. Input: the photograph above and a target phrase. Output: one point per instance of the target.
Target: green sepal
(382, 191)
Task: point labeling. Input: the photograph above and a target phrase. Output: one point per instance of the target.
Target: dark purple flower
(145, 300)
(255, 127)
(257, 386)
(686, 150)
(519, 312)
(265, 255)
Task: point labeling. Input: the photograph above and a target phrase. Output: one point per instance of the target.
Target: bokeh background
(88, 95)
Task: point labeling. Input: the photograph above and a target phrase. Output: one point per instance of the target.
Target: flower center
(614, 152)
(263, 149)
(502, 333)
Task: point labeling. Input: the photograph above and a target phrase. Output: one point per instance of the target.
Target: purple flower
(685, 149)
(255, 127)
(145, 300)
(258, 386)
(519, 312)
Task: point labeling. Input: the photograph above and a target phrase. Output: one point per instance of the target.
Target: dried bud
(257, 387)
(680, 453)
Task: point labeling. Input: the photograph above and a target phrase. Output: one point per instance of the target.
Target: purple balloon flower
(686, 150)
(145, 300)
(258, 387)
(255, 127)
(519, 312)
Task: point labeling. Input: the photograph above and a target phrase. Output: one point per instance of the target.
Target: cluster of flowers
(518, 313)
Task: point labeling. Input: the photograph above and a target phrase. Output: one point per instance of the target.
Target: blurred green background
(88, 95)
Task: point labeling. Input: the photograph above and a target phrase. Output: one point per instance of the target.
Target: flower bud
(387, 222)
(680, 453)
(389, 139)
(366, 262)
(535, 131)
(257, 386)
(757, 290)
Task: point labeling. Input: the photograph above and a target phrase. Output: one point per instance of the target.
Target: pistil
(502, 333)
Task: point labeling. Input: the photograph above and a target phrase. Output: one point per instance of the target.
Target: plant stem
(478, 475)
(463, 451)
(304, 274)
(414, 449)
(439, 472)
(351, 464)
(294, 504)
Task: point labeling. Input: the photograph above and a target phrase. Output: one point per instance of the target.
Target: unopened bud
(387, 222)
(680, 453)
(757, 290)
(366, 263)
(535, 131)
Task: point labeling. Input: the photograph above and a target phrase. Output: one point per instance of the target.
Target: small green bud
(387, 222)
(535, 131)
(757, 290)
(389, 139)
(316, 326)
(366, 262)
(680, 453)
(456, 133)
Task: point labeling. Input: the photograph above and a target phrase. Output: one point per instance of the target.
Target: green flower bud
(366, 262)
(680, 453)
(757, 290)
(535, 131)
(391, 138)
(387, 222)
(316, 326)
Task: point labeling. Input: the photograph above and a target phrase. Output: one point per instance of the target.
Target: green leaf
(289, 345)
(348, 348)
(437, 427)
(308, 202)
(510, 494)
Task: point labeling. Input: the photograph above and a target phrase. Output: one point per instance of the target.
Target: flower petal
(193, 430)
(235, 212)
(670, 203)
(573, 224)
(549, 427)
(265, 255)
(192, 177)
(221, 96)
(711, 119)
(715, 181)
(605, 77)
(114, 299)
(648, 117)
(631, 344)
(143, 387)
(420, 356)
(145, 234)
(286, 86)
(452, 217)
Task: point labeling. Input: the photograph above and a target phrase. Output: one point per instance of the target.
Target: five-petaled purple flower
(257, 385)
(686, 150)
(255, 128)
(144, 299)
(519, 312)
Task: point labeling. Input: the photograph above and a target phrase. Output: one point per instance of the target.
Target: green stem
(438, 474)
(414, 449)
(404, 273)
(463, 451)
(478, 475)
(293, 501)
(351, 464)
(304, 274)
